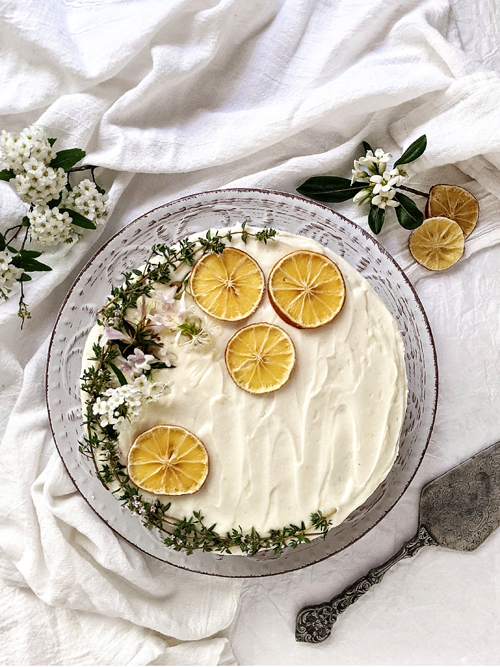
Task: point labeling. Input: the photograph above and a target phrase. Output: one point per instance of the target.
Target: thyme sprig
(100, 443)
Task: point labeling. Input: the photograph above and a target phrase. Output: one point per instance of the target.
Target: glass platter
(194, 214)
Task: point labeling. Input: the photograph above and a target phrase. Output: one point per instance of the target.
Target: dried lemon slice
(260, 358)
(306, 289)
(228, 286)
(168, 460)
(437, 244)
(454, 202)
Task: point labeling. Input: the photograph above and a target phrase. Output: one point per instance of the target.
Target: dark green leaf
(29, 264)
(26, 221)
(78, 219)
(367, 147)
(331, 189)
(6, 174)
(413, 151)
(376, 218)
(159, 364)
(409, 215)
(2, 242)
(52, 141)
(30, 254)
(102, 191)
(12, 249)
(121, 378)
(67, 158)
(24, 278)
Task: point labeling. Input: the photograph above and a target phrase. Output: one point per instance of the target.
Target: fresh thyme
(100, 441)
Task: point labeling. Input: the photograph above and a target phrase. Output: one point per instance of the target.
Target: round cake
(304, 455)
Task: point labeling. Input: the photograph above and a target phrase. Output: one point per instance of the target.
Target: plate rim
(300, 199)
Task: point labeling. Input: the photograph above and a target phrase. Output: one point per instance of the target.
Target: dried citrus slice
(260, 358)
(306, 289)
(168, 460)
(437, 244)
(454, 202)
(228, 286)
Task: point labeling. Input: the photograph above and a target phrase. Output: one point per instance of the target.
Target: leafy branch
(374, 184)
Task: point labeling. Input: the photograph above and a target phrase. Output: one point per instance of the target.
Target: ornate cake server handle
(315, 622)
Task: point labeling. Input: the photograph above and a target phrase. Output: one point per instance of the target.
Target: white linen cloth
(189, 95)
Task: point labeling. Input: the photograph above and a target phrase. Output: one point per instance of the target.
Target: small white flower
(167, 356)
(357, 173)
(86, 199)
(165, 299)
(113, 334)
(140, 361)
(8, 274)
(38, 183)
(385, 199)
(49, 226)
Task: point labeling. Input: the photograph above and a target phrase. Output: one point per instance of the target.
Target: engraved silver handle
(314, 622)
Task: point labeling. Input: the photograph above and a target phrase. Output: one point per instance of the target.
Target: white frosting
(324, 441)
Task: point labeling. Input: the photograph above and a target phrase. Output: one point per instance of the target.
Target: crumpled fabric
(170, 98)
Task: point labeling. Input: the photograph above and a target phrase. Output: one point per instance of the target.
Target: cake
(283, 466)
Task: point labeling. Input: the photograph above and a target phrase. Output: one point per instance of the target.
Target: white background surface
(197, 95)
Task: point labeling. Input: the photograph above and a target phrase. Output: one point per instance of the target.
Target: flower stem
(415, 192)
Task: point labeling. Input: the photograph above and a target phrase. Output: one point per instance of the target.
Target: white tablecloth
(189, 95)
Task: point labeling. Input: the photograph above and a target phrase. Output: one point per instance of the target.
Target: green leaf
(78, 219)
(409, 215)
(52, 141)
(156, 365)
(367, 147)
(6, 174)
(25, 221)
(121, 378)
(413, 151)
(30, 254)
(24, 278)
(101, 191)
(54, 202)
(29, 264)
(67, 158)
(331, 189)
(376, 218)
(12, 249)
(2, 242)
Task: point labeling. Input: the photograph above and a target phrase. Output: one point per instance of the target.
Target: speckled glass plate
(171, 222)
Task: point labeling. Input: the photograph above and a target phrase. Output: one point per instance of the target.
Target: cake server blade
(458, 510)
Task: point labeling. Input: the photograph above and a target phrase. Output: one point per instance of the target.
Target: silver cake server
(458, 510)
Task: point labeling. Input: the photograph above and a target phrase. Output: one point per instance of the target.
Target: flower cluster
(31, 143)
(8, 273)
(86, 199)
(41, 178)
(125, 402)
(50, 226)
(380, 189)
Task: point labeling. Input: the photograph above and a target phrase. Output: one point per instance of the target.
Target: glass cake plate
(194, 214)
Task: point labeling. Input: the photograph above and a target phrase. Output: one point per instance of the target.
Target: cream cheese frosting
(324, 441)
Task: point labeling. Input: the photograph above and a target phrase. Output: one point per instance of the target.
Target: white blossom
(8, 274)
(140, 362)
(50, 226)
(15, 150)
(124, 403)
(384, 199)
(376, 162)
(168, 357)
(357, 173)
(86, 199)
(39, 183)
